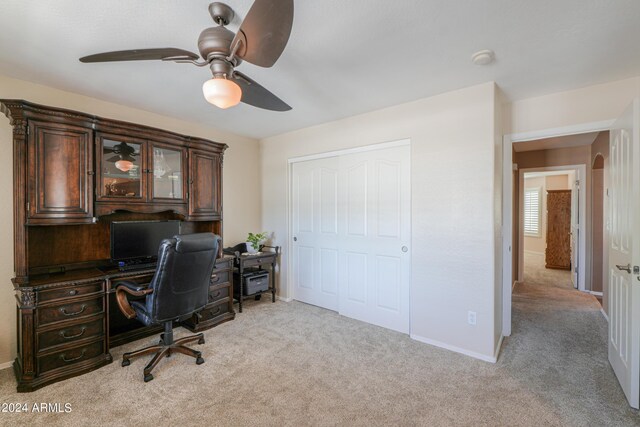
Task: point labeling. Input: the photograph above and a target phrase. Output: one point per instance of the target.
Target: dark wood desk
(70, 321)
(67, 191)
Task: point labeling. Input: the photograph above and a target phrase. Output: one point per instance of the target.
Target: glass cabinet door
(167, 169)
(121, 169)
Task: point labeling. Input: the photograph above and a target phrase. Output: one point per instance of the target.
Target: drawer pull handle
(217, 310)
(217, 294)
(73, 292)
(68, 337)
(215, 278)
(63, 310)
(64, 359)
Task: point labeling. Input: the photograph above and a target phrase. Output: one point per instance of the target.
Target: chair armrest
(123, 288)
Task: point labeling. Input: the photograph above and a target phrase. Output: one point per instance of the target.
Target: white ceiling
(343, 58)
(567, 141)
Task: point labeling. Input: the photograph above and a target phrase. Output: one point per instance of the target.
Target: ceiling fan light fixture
(221, 92)
(124, 165)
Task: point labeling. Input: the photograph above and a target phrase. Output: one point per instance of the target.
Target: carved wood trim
(16, 108)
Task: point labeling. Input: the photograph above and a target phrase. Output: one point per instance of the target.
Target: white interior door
(315, 230)
(575, 228)
(375, 270)
(624, 252)
(351, 231)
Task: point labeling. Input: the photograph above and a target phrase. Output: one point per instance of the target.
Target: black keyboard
(141, 266)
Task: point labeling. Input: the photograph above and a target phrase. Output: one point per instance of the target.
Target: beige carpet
(535, 272)
(292, 364)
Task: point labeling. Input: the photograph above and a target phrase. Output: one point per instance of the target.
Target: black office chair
(178, 289)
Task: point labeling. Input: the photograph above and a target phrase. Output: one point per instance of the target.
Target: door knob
(405, 249)
(626, 268)
(295, 239)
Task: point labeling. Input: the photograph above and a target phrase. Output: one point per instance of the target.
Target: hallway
(535, 272)
(560, 338)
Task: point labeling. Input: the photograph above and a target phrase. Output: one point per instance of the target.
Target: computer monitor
(139, 240)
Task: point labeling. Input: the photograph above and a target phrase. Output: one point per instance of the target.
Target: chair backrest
(181, 282)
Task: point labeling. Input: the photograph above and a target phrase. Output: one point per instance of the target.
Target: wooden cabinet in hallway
(558, 251)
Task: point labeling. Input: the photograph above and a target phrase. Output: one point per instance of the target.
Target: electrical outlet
(471, 317)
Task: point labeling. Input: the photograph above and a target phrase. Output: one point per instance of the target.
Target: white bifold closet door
(351, 231)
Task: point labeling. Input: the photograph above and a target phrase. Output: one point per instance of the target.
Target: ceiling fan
(260, 40)
(124, 156)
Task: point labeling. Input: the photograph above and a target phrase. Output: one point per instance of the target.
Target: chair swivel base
(165, 350)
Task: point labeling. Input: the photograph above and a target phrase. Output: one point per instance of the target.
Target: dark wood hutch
(74, 174)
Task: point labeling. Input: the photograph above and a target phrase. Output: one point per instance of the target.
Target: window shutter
(532, 208)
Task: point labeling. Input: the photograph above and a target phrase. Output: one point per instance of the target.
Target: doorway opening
(570, 148)
(550, 228)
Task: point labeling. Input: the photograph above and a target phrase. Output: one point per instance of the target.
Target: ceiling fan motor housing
(215, 41)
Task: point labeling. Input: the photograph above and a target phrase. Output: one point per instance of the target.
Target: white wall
(498, 125)
(241, 165)
(590, 104)
(453, 138)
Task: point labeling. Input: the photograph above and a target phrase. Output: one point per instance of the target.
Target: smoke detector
(483, 57)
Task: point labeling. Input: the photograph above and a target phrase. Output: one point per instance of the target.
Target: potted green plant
(255, 240)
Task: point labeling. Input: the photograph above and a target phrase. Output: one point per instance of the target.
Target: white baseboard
(533, 252)
(604, 314)
(284, 299)
(595, 293)
(6, 365)
(484, 357)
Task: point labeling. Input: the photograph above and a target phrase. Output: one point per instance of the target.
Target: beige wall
(557, 182)
(453, 138)
(599, 212)
(241, 166)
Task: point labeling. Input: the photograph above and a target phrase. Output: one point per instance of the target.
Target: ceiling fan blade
(256, 95)
(264, 32)
(169, 53)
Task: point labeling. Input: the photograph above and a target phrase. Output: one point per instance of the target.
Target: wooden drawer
(213, 310)
(223, 263)
(267, 259)
(69, 357)
(220, 277)
(218, 292)
(70, 291)
(69, 310)
(90, 328)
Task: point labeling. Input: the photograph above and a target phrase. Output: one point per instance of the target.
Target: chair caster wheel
(199, 360)
(148, 378)
(257, 297)
(201, 340)
(126, 362)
